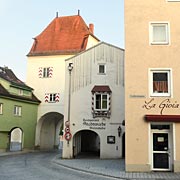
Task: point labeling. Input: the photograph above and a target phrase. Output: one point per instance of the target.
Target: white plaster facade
(84, 125)
(47, 134)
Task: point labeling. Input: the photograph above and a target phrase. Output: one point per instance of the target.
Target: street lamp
(70, 68)
(67, 129)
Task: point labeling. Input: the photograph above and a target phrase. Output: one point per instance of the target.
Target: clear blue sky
(21, 20)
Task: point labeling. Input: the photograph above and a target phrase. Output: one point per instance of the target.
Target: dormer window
(21, 93)
(1, 108)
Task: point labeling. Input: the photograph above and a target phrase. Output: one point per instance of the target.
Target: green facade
(17, 94)
(26, 122)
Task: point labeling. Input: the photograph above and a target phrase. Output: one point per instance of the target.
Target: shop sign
(162, 106)
(94, 124)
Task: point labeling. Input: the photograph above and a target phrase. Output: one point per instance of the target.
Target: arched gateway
(48, 129)
(15, 138)
(86, 143)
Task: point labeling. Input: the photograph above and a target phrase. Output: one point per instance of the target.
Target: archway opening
(16, 136)
(86, 144)
(48, 130)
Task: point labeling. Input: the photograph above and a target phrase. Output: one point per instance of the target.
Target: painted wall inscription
(94, 124)
(162, 106)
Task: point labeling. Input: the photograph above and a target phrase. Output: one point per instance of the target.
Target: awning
(162, 118)
(101, 89)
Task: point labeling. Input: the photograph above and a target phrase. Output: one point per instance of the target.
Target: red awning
(162, 118)
(101, 89)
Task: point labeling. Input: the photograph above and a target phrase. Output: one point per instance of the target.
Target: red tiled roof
(64, 35)
(101, 89)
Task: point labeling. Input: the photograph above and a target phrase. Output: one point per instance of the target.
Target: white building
(94, 103)
(64, 37)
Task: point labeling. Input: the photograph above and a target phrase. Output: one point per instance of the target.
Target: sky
(22, 20)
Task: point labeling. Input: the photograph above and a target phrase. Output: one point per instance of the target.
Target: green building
(18, 113)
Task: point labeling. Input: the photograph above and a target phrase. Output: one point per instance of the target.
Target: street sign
(68, 136)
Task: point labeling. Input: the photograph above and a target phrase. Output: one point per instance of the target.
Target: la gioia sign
(163, 105)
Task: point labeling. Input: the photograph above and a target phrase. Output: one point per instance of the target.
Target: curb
(86, 171)
(83, 170)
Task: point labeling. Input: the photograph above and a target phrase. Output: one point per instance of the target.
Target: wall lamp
(119, 131)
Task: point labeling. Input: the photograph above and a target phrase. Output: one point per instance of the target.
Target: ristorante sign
(162, 106)
(94, 124)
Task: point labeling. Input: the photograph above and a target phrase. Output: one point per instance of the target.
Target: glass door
(161, 151)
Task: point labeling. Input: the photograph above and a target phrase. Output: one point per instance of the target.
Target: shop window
(159, 33)
(1, 108)
(160, 83)
(101, 101)
(17, 110)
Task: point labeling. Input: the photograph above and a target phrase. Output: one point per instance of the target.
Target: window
(101, 101)
(52, 98)
(17, 110)
(160, 83)
(102, 69)
(45, 72)
(1, 108)
(159, 33)
(21, 92)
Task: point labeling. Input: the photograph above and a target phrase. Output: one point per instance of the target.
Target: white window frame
(161, 70)
(173, 0)
(17, 110)
(1, 108)
(21, 92)
(101, 101)
(158, 23)
(104, 69)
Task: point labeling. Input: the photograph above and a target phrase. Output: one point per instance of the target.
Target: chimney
(91, 28)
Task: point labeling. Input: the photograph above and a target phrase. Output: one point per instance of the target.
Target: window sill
(159, 43)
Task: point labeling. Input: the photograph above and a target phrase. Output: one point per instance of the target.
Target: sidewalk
(111, 168)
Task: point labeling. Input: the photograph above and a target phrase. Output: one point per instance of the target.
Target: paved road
(39, 166)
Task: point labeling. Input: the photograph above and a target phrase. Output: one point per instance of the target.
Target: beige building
(152, 88)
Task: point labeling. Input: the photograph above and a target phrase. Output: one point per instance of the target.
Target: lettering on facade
(136, 96)
(94, 124)
(162, 106)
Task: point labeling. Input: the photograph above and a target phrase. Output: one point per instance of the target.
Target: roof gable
(64, 35)
(8, 75)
